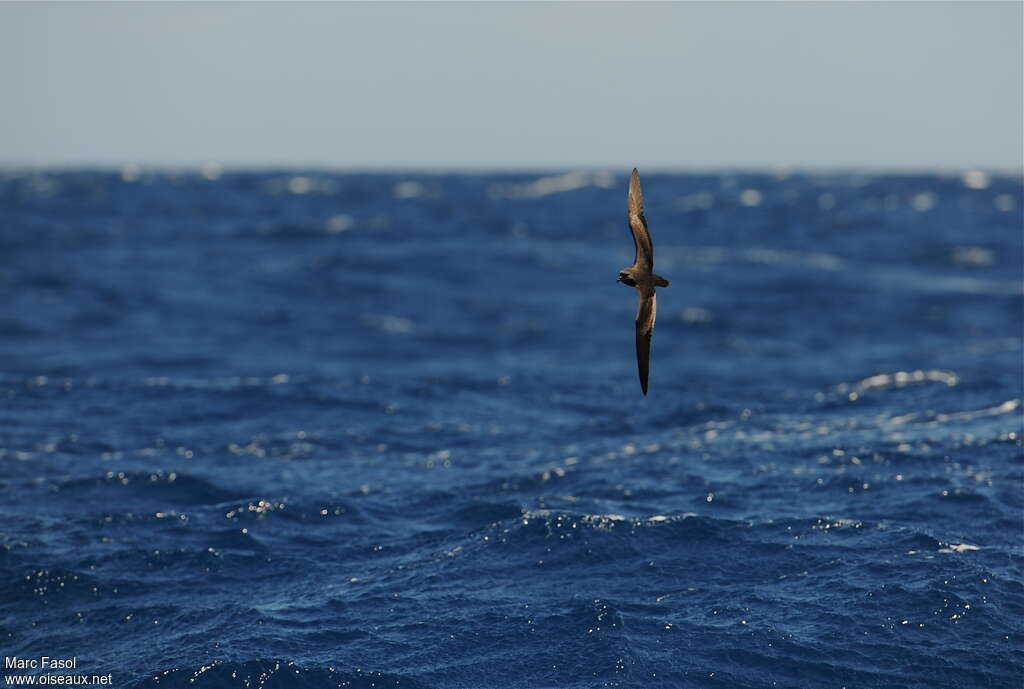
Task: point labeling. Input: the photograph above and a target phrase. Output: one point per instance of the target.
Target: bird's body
(641, 275)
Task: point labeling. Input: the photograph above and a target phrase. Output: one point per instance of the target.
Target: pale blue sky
(668, 85)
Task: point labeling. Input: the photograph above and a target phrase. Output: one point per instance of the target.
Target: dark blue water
(385, 430)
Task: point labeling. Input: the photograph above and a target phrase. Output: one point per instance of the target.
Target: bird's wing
(638, 225)
(644, 329)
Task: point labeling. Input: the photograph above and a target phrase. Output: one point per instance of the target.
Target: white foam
(555, 184)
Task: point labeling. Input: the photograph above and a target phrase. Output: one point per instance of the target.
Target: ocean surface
(303, 429)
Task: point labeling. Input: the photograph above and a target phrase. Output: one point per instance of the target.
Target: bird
(641, 275)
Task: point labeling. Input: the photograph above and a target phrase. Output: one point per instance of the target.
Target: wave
(273, 674)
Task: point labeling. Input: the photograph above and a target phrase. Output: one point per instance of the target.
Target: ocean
(285, 428)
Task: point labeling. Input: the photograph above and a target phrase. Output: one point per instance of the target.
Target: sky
(687, 85)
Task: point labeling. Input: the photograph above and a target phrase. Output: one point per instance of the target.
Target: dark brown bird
(641, 276)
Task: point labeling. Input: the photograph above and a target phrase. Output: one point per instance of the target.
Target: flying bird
(641, 276)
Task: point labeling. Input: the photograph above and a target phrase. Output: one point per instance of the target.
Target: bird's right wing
(644, 329)
(638, 224)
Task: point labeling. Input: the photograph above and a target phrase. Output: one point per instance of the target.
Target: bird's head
(626, 278)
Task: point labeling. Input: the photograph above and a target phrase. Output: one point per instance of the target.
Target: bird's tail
(659, 281)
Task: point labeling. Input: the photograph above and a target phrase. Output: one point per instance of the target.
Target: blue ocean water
(305, 429)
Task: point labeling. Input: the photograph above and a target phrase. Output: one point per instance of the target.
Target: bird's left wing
(638, 224)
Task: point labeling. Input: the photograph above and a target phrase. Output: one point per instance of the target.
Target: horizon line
(218, 168)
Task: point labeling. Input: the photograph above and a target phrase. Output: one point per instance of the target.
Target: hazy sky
(670, 85)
